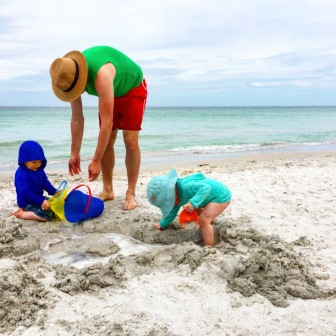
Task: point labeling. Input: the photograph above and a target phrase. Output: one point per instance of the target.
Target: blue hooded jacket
(30, 185)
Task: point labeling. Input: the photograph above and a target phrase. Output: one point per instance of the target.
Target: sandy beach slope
(272, 271)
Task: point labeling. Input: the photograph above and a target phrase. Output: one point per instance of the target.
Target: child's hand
(157, 226)
(45, 205)
(189, 207)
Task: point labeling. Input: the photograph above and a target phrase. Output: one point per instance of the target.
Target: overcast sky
(192, 52)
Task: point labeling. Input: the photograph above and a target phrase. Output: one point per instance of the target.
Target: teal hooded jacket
(199, 191)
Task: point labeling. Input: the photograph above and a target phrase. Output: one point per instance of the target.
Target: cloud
(183, 46)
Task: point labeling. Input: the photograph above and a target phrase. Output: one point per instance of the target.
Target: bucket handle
(62, 186)
(90, 196)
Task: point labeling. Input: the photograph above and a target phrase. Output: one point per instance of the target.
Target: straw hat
(69, 75)
(161, 191)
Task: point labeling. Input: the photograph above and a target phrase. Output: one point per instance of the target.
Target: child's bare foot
(106, 196)
(130, 202)
(30, 215)
(18, 213)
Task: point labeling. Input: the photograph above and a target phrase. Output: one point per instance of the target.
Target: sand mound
(23, 299)
(14, 239)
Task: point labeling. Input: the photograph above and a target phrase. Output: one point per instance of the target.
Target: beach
(271, 272)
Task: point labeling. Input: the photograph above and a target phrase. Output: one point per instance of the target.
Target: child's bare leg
(209, 213)
(199, 211)
(30, 215)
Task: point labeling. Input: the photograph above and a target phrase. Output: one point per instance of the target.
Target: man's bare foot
(130, 202)
(106, 196)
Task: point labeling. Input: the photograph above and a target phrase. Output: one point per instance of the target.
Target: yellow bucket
(57, 201)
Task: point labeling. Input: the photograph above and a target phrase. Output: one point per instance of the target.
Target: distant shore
(170, 160)
(166, 161)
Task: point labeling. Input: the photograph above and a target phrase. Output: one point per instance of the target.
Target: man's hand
(74, 165)
(94, 170)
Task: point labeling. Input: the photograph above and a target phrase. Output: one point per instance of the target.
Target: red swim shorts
(129, 110)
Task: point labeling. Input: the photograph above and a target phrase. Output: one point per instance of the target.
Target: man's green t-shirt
(128, 74)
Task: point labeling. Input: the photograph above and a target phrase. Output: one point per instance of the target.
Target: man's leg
(132, 161)
(107, 165)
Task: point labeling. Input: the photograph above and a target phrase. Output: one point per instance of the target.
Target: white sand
(272, 273)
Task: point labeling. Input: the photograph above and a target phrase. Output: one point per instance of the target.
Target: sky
(192, 52)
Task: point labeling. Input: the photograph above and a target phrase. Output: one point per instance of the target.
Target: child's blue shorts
(46, 214)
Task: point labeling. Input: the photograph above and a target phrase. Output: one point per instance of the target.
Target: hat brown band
(75, 78)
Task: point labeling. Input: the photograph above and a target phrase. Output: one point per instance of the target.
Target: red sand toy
(186, 217)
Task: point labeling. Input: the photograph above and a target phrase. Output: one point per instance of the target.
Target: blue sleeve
(47, 186)
(165, 222)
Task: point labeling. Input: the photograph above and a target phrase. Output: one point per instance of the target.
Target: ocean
(173, 134)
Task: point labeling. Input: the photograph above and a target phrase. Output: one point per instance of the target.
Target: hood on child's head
(31, 151)
(161, 191)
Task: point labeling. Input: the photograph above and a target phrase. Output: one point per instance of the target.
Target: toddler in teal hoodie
(195, 192)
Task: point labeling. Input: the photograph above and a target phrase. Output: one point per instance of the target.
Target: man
(121, 90)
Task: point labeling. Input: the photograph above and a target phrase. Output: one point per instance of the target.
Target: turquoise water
(174, 131)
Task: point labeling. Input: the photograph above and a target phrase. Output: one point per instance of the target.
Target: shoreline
(203, 160)
(192, 161)
(164, 159)
(239, 158)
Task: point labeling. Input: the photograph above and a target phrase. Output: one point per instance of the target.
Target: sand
(272, 271)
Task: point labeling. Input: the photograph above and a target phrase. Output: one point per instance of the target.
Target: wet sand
(272, 271)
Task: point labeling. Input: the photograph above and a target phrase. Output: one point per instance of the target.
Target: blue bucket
(79, 206)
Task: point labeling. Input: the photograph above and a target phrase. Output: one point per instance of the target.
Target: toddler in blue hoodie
(30, 182)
